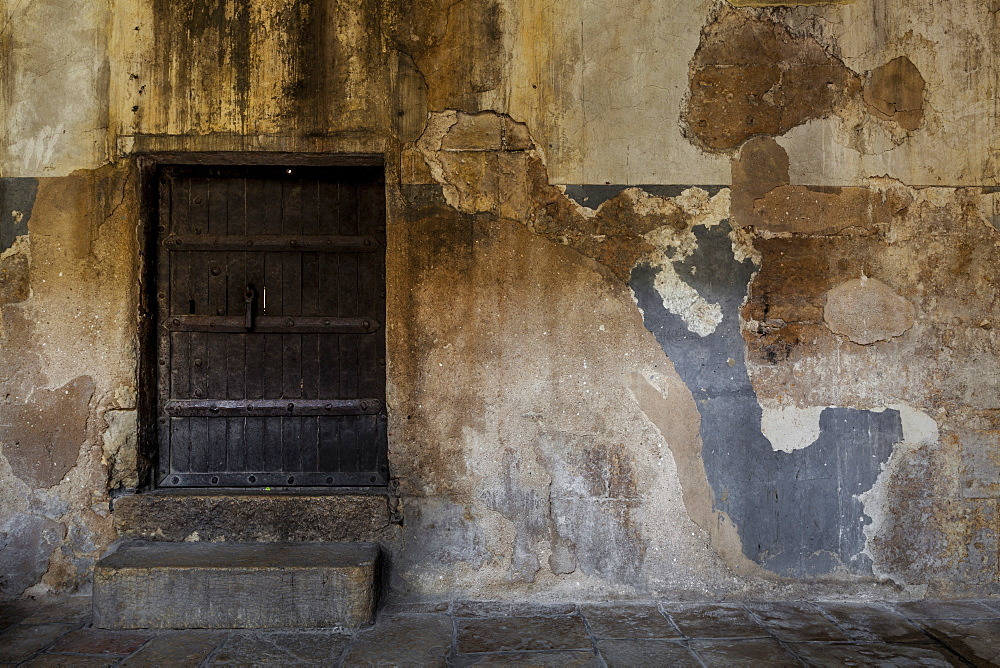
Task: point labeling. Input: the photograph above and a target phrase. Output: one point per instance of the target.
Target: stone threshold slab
(236, 585)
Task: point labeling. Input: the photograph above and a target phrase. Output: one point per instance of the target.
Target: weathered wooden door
(271, 345)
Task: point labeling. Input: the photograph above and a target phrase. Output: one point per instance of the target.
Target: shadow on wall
(798, 513)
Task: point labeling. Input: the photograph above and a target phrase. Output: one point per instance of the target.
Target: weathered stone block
(236, 585)
(251, 516)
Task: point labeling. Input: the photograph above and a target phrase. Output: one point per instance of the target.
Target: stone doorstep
(252, 516)
(161, 585)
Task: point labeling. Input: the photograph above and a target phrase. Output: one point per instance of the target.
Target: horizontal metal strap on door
(266, 479)
(271, 242)
(272, 323)
(270, 407)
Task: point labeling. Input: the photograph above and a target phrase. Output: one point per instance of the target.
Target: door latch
(249, 295)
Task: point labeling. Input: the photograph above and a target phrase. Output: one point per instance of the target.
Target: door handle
(249, 295)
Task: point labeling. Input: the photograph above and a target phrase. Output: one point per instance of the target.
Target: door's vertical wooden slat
(255, 369)
(349, 343)
(218, 438)
(255, 205)
(254, 461)
(272, 377)
(309, 440)
(180, 365)
(291, 431)
(348, 445)
(272, 300)
(328, 458)
(218, 206)
(235, 206)
(236, 444)
(291, 366)
(199, 444)
(272, 209)
(272, 443)
(180, 442)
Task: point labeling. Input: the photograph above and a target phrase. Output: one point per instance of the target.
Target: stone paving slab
(628, 621)
(748, 652)
(397, 640)
(19, 642)
(646, 653)
(707, 620)
(976, 640)
(280, 648)
(796, 621)
(180, 649)
(97, 641)
(873, 654)
(512, 634)
(572, 658)
(946, 610)
(58, 632)
(872, 623)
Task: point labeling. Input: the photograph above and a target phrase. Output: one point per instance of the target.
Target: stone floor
(57, 632)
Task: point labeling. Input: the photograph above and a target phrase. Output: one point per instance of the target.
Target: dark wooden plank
(309, 439)
(255, 210)
(198, 206)
(328, 207)
(180, 445)
(291, 206)
(272, 213)
(347, 209)
(291, 456)
(310, 206)
(236, 444)
(217, 364)
(291, 284)
(310, 366)
(180, 195)
(272, 291)
(349, 446)
(272, 443)
(235, 205)
(199, 444)
(328, 458)
(254, 443)
(254, 373)
(272, 362)
(218, 206)
(291, 366)
(218, 441)
(199, 364)
(180, 367)
(237, 364)
(311, 279)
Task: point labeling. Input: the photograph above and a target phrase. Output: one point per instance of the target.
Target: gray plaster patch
(26, 543)
(797, 513)
(17, 196)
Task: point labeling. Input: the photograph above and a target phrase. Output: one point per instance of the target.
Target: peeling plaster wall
(685, 299)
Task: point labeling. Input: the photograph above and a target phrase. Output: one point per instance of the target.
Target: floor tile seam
(595, 648)
(784, 645)
(661, 607)
(453, 647)
(215, 650)
(934, 639)
(831, 619)
(45, 648)
(348, 646)
(938, 642)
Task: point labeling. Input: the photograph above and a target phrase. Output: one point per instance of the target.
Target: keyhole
(191, 306)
